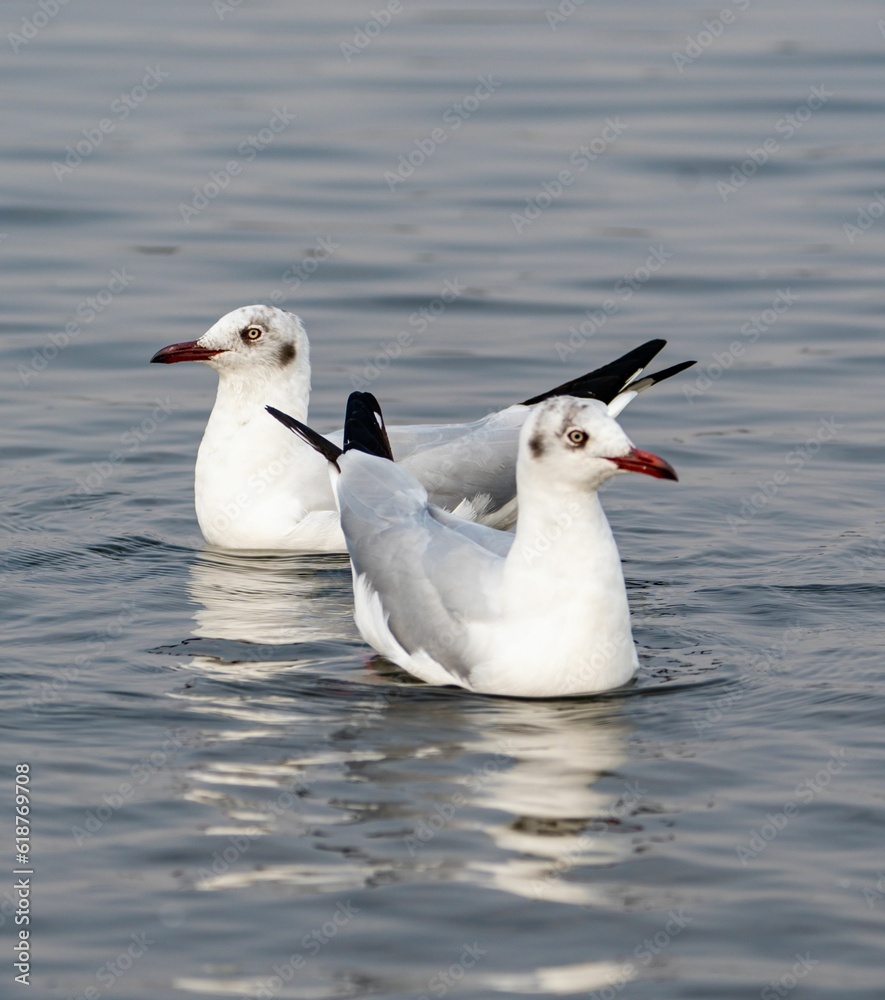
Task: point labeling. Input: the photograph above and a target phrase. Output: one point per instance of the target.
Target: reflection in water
(563, 980)
(326, 779)
(272, 598)
(414, 767)
(338, 809)
(266, 628)
(556, 819)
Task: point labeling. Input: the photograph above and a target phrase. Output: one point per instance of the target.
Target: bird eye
(252, 332)
(577, 437)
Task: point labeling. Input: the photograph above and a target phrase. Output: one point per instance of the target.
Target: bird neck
(255, 480)
(564, 583)
(563, 530)
(242, 397)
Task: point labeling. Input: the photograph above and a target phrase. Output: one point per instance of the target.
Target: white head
(256, 343)
(574, 443)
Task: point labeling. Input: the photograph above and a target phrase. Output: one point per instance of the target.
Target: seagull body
(538, 613)
(262, 488)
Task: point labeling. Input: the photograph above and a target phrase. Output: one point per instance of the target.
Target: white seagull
(539, 613)
(258, 487)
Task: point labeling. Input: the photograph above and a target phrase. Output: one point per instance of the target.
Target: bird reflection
(380, 776)
(337, 776)
(258, 617)
(553, 819)
(273, 598)
(385, 779)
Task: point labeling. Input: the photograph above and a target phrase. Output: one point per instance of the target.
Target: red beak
(643, 461)
(188, 351)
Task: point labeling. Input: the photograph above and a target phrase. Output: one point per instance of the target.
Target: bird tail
(364, 428)
(331, 452)
(618, 376)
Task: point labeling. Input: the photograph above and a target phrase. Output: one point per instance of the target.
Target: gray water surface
(230, 796)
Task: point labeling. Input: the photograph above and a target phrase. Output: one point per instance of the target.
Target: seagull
(258, 487)
(536, 613)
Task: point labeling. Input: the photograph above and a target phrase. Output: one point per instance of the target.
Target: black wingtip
(607, 382)
(364, 428)
(331, 452)
(667, 372)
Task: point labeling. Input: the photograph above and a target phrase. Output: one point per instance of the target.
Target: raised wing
(472, 467)
(456, 462)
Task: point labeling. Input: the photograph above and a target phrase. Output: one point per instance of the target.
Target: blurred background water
(229, 798)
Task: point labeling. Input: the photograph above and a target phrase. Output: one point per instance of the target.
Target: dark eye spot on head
(536, 446)
(287, 354)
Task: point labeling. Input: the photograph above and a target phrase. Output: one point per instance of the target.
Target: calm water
(229, 798)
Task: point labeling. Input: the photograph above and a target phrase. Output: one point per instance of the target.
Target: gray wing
(472, 467)
(474, 462)
(432, 573)
(496, 541)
